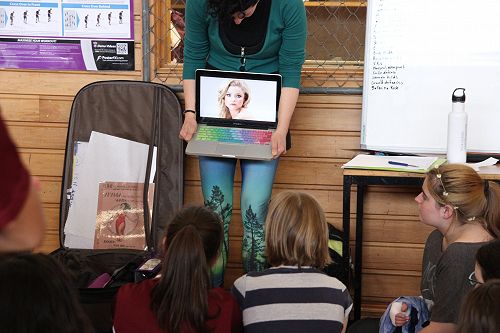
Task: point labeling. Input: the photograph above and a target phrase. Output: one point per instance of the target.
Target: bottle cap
(458, 95)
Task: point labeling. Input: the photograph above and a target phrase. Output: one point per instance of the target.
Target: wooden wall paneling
(392, 256)
(330, 113)
(55, 108)
(329, 200)
(291, 170)
(50, 190)
(38, 135)
(323, 144)
(387, 285)
(51, 241)
(19, 107)
(56, 83)
(392, 229)
(330, 197)
(236, 227)
(43, 162)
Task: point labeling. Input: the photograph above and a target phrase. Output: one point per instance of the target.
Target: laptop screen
(237, 98)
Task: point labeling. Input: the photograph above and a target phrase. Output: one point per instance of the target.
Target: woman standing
(266, 36)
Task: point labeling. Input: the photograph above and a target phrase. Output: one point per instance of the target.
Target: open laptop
(236, 113)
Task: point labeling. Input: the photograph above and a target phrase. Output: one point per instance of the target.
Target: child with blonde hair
(294, 295)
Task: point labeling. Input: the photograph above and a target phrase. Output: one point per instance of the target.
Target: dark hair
(473, 198)
(223, 9)
(35, 296)
(192, 241)
(479, 312)
(488, 258)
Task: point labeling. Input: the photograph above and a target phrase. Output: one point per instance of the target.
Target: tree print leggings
(217, 182)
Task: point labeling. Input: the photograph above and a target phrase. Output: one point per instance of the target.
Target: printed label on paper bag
(120, 219)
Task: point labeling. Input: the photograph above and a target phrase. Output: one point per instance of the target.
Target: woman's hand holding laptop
(188, 127)
(278, 143)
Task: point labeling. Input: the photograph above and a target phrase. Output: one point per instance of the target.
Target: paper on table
(487, 162)
(108, 158)
(419, 164)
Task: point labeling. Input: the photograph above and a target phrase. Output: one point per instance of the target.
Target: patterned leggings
(217, 181)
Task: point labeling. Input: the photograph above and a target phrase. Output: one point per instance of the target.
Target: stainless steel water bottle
(457, 128)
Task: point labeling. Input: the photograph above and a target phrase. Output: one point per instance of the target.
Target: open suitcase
(144, 112)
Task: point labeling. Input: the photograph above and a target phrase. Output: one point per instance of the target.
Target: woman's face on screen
(234, 99)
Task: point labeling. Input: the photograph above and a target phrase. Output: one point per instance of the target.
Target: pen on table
(402, 164)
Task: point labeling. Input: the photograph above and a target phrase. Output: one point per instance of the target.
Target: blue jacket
(418, 315)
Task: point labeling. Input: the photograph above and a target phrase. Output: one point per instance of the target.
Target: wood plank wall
(36, 105)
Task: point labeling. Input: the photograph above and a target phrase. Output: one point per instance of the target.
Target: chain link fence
(334, 49)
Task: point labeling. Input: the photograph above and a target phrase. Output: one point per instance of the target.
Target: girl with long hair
(181, 299)
(464, 209)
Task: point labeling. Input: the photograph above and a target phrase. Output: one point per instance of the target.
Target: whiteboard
(417, 52)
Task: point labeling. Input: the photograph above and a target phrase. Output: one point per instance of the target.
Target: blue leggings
(217, 182)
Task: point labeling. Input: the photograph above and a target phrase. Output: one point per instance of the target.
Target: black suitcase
(145, 112)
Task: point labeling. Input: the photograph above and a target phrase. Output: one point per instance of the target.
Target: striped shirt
(289, 299)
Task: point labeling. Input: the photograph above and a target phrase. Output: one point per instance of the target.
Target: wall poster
(67, 34)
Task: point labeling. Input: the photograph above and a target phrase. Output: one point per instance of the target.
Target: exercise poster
(67, 35)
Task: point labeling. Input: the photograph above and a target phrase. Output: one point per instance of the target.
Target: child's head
(479, 312)
(472, 198)
(191, 245)
(37, 295)
(296, 231)
(206, 227)
(488, 261)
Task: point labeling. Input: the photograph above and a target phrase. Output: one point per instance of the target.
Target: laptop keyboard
(234, 135)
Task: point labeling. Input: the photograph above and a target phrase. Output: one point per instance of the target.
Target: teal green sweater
(283, 50)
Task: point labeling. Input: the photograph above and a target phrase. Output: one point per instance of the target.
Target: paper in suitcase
(144, 112)
(120, 216)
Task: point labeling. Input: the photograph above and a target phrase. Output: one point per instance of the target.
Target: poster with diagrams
(67, 34)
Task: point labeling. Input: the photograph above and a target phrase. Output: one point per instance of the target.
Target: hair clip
(438, 176)
(471, 218)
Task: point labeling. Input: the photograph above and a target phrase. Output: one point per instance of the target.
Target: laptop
(237, 113)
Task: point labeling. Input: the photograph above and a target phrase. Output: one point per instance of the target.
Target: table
(362, 179)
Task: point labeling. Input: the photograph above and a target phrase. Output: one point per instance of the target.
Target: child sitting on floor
(294, 295)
